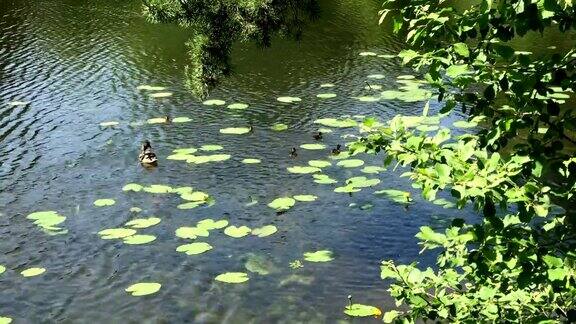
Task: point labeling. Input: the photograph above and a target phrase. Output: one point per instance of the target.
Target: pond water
(79, 63)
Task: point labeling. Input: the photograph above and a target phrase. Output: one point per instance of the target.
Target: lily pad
(143, 222)
(289, 99)
(157, 120)
(251, 161)
(372, 169)
(319, 163)
(143, 288)
(326, 95)
(200, 159)
(264, 231)
(191, 232)
(194, 248)
(346, 189)
(359, 310)
(279, 127)
(398, 196)
(109, 123)
(368, 99)
(233, 277)
(5, 320)
(314, 146)
(327, 85)
(337, 123)
(183, 190)
(282, 203)
(237, 232)
(32, 272)
(135, 209)
(150, 88)
(406, 77)
(376, 76)
(211, 147)
(104, 202)
(352, 163)
(132, 187)
(179, 157)
(303, 169)
(2, 269)
(305, 198)
(181, 120)
(362, 182)
(158, 189)
(210, 224)
(189, 150)
(18, 103)
(235, 130)
(139, 239)
(368, 54)
(238, 106)
(319, 256)
(189, 205)
(259, 264)
(195, 196)
(160, 94)
(47, 219)
(214, 102)
(323, 179)
(116, 233)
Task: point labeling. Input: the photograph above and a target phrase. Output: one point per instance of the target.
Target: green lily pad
(264, 231)
(191, 232)
(368, 99)
(135, 209)
(179, 157)
(47, 220)
(251, 161)
(237, 232)
(282, 203)
(323, 179)
(376, 76)
(406, 77)
(259, 264)
(5, 320)
(303, 169)
(2, 269)
(288, 99)
(211, 147)
(214, 102)
(373, 87)
(18, 103)
(200, 159)
(189, 150)
(238, 106)
(189, 205)
(233, 277)
(116, 233)
(326, 95)
(319, 163)
(464, 124)
(158, 189)
(161, 94)
(143, 288)
(195, 196)
(362, 182)
(327, 85)
(235, 130)
(359, 310)
(132, 187)
(368, 54)
(346, 189)
(210, 224)
(157, 120)
(398, 196)
(194, 248)
(32, 272)
(372, 169)
(314, 146)
(150, 88)
(319, 256)
(143, 222)
(352, 163)
(181, 120)
(109, 123)
(279, 127)
(104, 202)
(337, 123)
(342, 156)
(305, 198)
(183, 190)
(139, 239)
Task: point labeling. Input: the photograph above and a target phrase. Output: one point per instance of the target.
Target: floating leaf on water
(323, 179)
(352, 163)
(109, 123)
(333, 122)
(104, 202)
(139, 239)
(264, 231)
(200, 159)
(143, 288)
(319, 163)
(282, 203)
(346, 189)
(342, 156)
(235, 130)
(190, 150)
(259, 264)
(237, 232)
(181, 119)
(325, 130)
(368, 54)
(194, 248)
(191, 232)
(179, 157)
(326, 85)
(31, 272)
(18, 103)
(406, 77)
(214, 102)
(189, 205)
(195, 196)
(398, 196)
(237, 106)
(372, 169)
(116, 233)
(251, 161)
(5, 320)
(150, 88)
(135, 209)
(373, 87)
(359, 310)
(444, 203)
(211, 147)
(158, 189)
(319, 256)
(157, 120)
(132, 187)
(387, 56)
(183, 190)
(232, 277)
(2, 269)
(305, 197)
(464, 124)
(161, 94)
(143, 222)
(47, 219)
(368, 99)
(303, 169)
(210, 224)
(279, 127)
(315, 146)
(376, 76)
(288, 99)
(362, 182)
(326, 95)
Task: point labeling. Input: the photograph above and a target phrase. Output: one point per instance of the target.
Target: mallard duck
(147, 156)
(336, 150)
(317, 136)
(293, 153)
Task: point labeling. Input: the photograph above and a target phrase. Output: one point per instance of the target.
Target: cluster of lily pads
(284, 203)
(193, 198)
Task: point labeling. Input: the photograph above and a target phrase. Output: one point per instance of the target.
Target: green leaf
(303, 169)
(233, 277)
(139, 239)
(235, 130)
(352, 163)
(104, 202)
(32, 272)
(194, 248)
(313, 146)
(143, 288)
(306, 198)
(427, 234)
(390, 316)
(191, 232)
(461, 49)
(237, 232)
(264, 231)
(359, 310)
(116, 233)
(282, 203)
(457, 70)
(318, 256)
(143, 222)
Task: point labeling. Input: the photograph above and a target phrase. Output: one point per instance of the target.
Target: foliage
(518, 263)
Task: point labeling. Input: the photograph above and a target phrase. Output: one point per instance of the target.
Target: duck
(293, 153)
(336, 150)
(317, 136)
(147, 157)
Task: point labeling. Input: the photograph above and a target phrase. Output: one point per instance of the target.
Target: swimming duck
(317, 136)
(336, 150)
(293, 153)
(147, 156)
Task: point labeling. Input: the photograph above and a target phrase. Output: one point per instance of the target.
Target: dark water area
(79, 63)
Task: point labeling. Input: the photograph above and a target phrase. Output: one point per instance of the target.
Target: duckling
(293, 153)
(147, 157)
(317, 136)
(336, 150)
